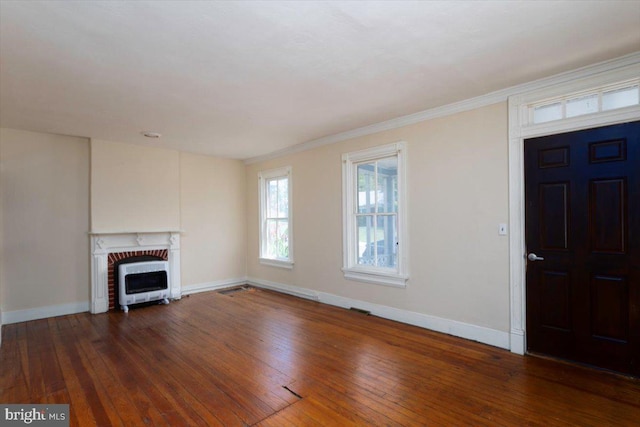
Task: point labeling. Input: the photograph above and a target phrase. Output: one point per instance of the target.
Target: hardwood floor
(260, 358)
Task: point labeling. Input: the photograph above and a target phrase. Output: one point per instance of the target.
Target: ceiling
(244, 79)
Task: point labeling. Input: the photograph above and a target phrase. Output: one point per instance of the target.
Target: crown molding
(456, 107)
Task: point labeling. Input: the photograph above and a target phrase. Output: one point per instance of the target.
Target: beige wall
(212, 201)
(1, 245)
(45, 220)
(457, 169)
(458, 194)
(45, 207)
(134, 188)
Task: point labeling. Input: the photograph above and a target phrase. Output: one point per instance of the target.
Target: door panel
(582, 193)
(608, 219)
(609, 310)
(555, 293)
(554, 216)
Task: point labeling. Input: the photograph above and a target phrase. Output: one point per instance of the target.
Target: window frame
(263, 178)
(562, 99)
(351, 269)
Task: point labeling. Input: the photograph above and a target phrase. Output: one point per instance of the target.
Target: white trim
(285, 289)
(262, 206)
(516, 342)
(102, 244)
(276, 262)
(17, 316)
(109, 232)
(212, 286)
(455, 107)
(519, 130)
(468, 331)
(368, 276)
(451, 327)
(350, 267)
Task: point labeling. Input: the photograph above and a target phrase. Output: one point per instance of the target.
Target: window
(375, 243)
(275, 218)
(605, 98)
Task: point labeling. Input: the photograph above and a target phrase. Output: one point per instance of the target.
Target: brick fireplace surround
(108, 248)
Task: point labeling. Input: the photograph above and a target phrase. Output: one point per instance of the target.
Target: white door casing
(521, 128)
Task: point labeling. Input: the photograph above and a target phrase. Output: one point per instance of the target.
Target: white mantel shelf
(105, 242)
(134, 232)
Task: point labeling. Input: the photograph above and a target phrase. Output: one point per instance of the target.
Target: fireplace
(112, 250)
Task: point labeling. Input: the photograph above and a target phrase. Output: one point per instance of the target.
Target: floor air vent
(361, 311)
(237, 289)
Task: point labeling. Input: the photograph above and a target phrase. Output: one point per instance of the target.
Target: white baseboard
(452, 327)
(212, 286)
(285, 289)
(468, 331)
(16, 316)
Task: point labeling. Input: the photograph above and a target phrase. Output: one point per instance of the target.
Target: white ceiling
(243, 79)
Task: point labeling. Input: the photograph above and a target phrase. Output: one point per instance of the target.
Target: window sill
(395, 280)
(277, 263)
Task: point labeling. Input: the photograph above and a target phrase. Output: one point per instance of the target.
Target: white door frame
(520, 129)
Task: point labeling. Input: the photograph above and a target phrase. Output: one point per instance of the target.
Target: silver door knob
(534, 257)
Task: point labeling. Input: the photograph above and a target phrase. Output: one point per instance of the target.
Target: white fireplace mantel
(104, 243)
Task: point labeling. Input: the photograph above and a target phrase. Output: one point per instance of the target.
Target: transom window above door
(596, 100)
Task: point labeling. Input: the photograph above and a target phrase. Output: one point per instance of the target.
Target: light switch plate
(502, 229)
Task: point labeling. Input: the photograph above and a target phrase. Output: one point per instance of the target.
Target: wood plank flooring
(261, 358)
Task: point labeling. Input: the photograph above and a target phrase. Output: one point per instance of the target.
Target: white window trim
(262, 177)
(350, 267)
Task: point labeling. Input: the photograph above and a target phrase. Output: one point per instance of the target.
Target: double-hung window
(374, 215)
(276, 246)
